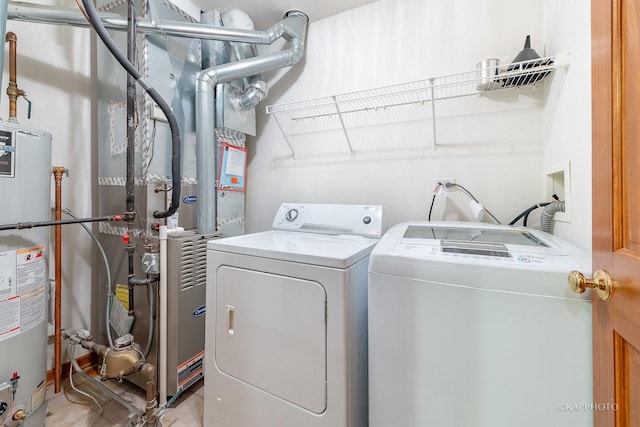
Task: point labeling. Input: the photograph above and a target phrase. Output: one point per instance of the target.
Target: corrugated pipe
(294, 26)
(546, 217)
(28, 12)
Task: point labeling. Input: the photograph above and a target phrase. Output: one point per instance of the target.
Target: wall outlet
(158, 114)
(443, 188)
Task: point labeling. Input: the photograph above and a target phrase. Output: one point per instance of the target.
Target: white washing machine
(286, 323)
(474, 325)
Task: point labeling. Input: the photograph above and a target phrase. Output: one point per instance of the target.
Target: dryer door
(271, 333)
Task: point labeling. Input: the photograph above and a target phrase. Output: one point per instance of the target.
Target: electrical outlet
(444, 188)
(158, 114)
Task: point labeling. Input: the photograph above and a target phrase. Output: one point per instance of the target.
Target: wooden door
(616, 209)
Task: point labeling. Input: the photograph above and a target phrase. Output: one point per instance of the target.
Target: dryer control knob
(291, 215)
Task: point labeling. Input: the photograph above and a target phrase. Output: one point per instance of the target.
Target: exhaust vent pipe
(254, 88)
(293, 28)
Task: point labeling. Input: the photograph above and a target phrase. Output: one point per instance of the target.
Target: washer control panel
(361, 220)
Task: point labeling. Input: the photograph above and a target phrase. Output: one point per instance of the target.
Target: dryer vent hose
(547, 214)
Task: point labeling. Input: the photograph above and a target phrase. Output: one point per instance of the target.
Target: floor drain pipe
(162, 291)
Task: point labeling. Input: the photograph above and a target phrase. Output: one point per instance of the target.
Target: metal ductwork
(248, 69)
(254, 88)
(28, 12)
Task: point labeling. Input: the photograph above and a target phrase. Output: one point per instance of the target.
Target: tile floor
(120, 404)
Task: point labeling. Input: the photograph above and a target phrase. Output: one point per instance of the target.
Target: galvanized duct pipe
(28, 12)
(213, 52)
(547, 214)
(294, 27)
(254, 88)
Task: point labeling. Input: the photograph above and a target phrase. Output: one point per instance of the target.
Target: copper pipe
(12, 89)
(149, 372)
(58, 171)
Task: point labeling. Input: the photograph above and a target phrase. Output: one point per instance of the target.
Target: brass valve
(19, 415)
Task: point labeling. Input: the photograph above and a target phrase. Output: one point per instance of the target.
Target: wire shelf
(421, 114)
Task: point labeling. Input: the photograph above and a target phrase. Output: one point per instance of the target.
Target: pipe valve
(12, 89)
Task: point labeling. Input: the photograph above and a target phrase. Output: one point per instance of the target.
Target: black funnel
(526, 74)
(527, 53)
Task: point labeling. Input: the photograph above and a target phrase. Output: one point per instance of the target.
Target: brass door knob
(601, 283)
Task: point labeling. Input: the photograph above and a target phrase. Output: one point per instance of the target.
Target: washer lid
(539, 267)
(338, 251)
(479, 244)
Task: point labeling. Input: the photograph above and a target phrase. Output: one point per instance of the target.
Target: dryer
(286, 323)
(474, 325)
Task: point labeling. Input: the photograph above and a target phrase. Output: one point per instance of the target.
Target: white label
(23, 293)
(7, 274)
(9, 317)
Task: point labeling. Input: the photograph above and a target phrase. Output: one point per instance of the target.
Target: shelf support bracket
(433, 112)
(344, 128)
(286, 139)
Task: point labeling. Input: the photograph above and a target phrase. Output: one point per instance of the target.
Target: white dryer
(474, 325)
(286, 325)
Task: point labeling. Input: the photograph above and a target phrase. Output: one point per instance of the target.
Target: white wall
(397, 41)
(569, 132)
(54, 69)
(387, 42)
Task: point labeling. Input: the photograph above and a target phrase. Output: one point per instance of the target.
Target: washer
(286, 325)
(474, 325)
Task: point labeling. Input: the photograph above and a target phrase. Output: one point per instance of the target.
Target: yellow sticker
(38, 395)
(122, 294)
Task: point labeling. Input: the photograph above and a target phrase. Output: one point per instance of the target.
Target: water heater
(25, 189)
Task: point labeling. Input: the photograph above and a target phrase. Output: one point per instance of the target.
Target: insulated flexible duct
(166, 109)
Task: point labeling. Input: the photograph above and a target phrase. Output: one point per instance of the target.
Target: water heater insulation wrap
(25, 186)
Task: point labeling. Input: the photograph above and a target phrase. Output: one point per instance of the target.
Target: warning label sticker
(23, 295)
(191, 371)
(9, 317)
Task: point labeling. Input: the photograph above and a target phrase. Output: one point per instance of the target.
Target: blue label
(190, 199)
(199, 311)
